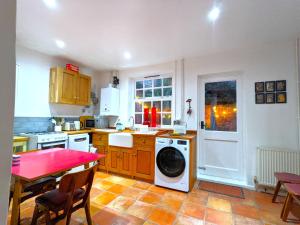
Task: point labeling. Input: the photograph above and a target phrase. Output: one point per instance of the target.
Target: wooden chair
(284, 178)
(73, 188)
(34, 189)
(293, 194)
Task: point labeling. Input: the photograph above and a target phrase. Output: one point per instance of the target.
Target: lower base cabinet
(120, 160)
(135, 162)
(144, 163)
(102, 164)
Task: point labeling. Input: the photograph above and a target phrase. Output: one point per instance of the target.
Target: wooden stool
(293, 194)
(284, 178)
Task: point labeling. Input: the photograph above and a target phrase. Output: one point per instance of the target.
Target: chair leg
(276, 191)
(35, 215)
(287, 207)
(48, 218)
(88, 214)
(68, 218)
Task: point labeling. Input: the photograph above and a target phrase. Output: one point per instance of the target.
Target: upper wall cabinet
(68, 87)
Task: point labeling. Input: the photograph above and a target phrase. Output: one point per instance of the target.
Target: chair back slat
(80, 179)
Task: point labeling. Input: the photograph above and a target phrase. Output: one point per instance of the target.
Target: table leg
(16, 202)
(86, 166)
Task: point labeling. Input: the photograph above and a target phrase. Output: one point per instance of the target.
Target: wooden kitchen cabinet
(102, 162)
(144, 157)
(100, 141)
(120, 160)
(83, 89)
(113, 159)
(68, 87)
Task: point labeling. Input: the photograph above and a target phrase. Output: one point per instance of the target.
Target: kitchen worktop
(185, 136)
(20, 139)
(77, 132)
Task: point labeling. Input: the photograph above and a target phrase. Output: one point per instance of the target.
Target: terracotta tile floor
(116, 201)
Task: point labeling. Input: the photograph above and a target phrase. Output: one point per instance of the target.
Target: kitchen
(167, 115)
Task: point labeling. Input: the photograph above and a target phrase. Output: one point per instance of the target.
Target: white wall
(272, 125)
(32, 85)
(7, 87)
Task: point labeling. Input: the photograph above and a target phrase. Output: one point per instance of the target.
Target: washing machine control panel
(181, 142)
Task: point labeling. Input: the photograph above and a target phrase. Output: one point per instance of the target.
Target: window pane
(158, 119)
(147, 83)
(167, 91)
(167, 106)
(147, 105)
(157, 92)
(157, 83)
(157, 105)
(139, 94)
(167, 81)
(167, 119)
(220, 106)
(138, 107)
(139, 84)
(148, 93)
(138, 118)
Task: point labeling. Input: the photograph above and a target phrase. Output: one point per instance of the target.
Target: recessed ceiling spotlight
(214, 13)
(50, 3)
(60, 43)
(127, 55)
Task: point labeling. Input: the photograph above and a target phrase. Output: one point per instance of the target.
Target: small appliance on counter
(67, 126)
(87, 122)
(77, 125)
(179, 127)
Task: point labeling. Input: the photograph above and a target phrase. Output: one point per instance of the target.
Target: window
(154, 92)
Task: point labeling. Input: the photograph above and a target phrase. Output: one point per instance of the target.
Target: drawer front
(100, 139)
(144, 141)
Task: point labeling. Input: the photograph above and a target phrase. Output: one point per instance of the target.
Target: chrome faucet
(132, 124)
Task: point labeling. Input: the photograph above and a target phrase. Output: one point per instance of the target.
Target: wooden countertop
(77, 132)
(185, 137)
(20, 139)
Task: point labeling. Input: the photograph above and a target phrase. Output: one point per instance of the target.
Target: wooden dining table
(39, 164)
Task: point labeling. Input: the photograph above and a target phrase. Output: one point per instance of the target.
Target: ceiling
(98, 32)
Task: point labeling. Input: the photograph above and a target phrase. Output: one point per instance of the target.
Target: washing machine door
(170, 161)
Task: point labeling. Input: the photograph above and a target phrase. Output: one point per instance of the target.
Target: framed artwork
(270, 86)
(270, 98)
(260, 98)
(281, 85)
(259, 87)
(281, 97)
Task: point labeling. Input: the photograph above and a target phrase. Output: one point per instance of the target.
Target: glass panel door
(220, 106)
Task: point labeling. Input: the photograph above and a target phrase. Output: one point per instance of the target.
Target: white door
(220, 126)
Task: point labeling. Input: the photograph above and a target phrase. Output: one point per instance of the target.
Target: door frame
(222, 76)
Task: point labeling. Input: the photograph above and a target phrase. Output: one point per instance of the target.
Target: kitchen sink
(121, 140)
(106, 130)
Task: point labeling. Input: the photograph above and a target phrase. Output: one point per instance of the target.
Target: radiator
(270, 160)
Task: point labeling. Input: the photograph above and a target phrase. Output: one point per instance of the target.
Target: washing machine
(172, 163)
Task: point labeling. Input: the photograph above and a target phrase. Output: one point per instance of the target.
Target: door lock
(201, 168)
(202, 125)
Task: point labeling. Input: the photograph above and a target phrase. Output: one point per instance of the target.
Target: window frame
(153, 99)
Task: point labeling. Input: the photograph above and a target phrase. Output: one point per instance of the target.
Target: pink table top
(38, 164)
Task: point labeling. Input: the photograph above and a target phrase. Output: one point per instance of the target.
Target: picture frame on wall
(281, 85)
(270, 98)
(259, 87)
(281, 97)
(260, 98)
(270, 86)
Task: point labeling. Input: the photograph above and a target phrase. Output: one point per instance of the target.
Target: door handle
(202, 125)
